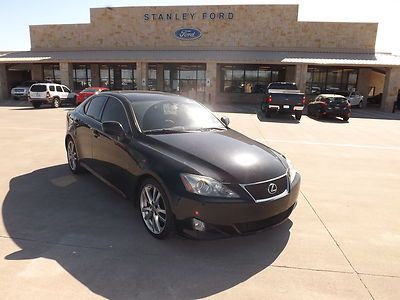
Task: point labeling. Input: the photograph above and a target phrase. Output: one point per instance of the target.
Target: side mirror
(114, 129)
(225, 121)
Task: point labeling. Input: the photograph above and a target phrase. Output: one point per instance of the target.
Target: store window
(82, 76)
(118, 76)
(51, 73)
(185, 79)
(250, 79)
(330, 79)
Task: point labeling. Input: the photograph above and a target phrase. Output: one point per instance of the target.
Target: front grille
(262, 224)
(260, 191)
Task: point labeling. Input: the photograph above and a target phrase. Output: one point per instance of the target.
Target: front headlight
(206, 186)
(292, 170)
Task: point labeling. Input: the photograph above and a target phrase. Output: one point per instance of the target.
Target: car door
(117, 164)
(66, 93)
(88, 126)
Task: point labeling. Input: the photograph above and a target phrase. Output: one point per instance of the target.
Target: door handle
(95, 133)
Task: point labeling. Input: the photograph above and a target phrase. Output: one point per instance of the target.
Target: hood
(225, 155)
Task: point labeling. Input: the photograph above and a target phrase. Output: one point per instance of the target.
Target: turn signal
(303, 101)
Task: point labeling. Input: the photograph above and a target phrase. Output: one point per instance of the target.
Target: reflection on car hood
(231, 155)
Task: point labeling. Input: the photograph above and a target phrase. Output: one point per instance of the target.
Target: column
(37, 72)
(95, 72)
(301, 76)
(364, 83)
(160, 77)
(290, 75)
(391, 89)
(3, 82)
(66, 75)
(141, 71)
(211, 83)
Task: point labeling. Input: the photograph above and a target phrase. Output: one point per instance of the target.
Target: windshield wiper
(163, 131)
(206, 128)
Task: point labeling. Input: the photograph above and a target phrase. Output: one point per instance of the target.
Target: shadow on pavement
(277, 118)
(98, 237)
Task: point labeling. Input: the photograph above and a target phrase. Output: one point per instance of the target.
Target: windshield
(174, 116)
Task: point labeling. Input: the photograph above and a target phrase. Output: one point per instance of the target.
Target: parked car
(331, 105)
(183, 167)
(283, 97)
(52, 93)
(86, 93)
(22, 90)
(354, 97)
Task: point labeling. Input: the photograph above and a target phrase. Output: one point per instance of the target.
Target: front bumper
(234, 218)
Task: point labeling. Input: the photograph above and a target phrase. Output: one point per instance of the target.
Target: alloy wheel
(72, 155)
(153, 209)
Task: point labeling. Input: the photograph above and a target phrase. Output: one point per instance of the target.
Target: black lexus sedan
(184, 168)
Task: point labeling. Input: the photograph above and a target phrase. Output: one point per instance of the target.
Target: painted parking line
(375, 147)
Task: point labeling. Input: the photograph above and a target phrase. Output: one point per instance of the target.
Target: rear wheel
(345, 119)
(155, 210)
(56, 102)
(297, 115)
(36, 104)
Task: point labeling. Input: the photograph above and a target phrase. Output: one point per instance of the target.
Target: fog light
(198, 225)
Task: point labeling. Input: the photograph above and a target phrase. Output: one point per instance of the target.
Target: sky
(17, 15)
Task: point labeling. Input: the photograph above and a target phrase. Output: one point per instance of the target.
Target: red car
(89, 92)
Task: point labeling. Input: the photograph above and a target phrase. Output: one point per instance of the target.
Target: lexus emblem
(272, 188)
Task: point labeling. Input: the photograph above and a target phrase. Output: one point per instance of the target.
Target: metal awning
(220, 56)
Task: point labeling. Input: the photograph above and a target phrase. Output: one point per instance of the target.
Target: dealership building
(210, 53)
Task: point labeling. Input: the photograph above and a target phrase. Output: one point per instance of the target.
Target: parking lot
(72, 237)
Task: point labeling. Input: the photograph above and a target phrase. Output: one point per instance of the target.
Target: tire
(72, 157)
(155, 210)
(56, 102)
(36, 104)
(361, 104)
(298, 115)
(345, 119)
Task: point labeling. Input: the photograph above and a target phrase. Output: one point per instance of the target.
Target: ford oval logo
(187, 34)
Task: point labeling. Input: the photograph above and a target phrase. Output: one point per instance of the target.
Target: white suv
(52, 93)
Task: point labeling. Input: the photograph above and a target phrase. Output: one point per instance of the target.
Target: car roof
(134, 95)
(332, 96)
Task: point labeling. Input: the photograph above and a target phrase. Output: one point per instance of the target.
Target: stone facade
(223, 27)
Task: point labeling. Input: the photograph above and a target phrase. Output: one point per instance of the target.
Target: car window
(38, 88)
(51, 88)
(59, 88)
(95, 107)
(89, 91)
(114, 111)
(67, 90)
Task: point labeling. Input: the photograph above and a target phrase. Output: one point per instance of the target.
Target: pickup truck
(283, 97)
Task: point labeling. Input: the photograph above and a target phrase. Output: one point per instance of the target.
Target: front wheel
(155, 210)
(361, 104)
(297, 115)
(72, 157)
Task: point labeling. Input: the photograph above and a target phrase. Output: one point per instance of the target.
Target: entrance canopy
(284, 57)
